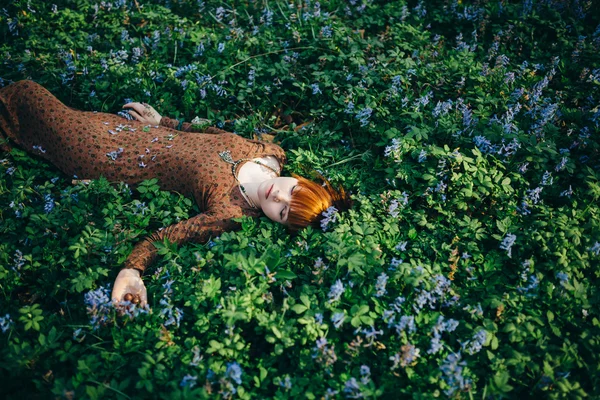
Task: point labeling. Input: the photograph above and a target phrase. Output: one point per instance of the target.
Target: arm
(188, 127)
(146, 113)
(197, 229)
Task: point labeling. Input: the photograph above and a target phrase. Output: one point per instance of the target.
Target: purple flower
(189, 381)
(436, 344)
(234, 371)
(595, 248)
(380, 285)
(251, 77)
(319, 318)
(409, 355)
(18, 259)
(49, 203)
(315, 88)
(476, 343)
(352, 390)
(5, 323)
(568, 192)
(338, 319)
(562, 277)
(562, 164)
(401, 246)
(330, 217)
(98, 306)
(324, 354)
(547, 179)
(452, 369)
(442, 108)
(365, 373)
(197, 357)
(509, 78)
(407, 323)
(508, 242)
(533, 195)
(451, 325)
(336, 291)
(364, 115)
(173, 315)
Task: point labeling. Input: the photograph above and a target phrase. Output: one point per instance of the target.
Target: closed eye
(284, 208)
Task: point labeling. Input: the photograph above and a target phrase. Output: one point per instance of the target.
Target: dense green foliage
(467, 268)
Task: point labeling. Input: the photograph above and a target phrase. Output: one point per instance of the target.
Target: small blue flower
(476, 343)
(452, 369)
(508, 242)
(189, 381)
(407, 323)
(49, 203)
(234, 371)
(364, 115)
(562, 277)
(319, 318)
(352, 390)
(380, 285)
(338, 319)
(326, 31)
(595, 248)
(5, 323)
(365, 373)
(436, 344)
(336, 291)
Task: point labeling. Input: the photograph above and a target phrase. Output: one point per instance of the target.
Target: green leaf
(286, 274)
(501, 381)
(299, 308)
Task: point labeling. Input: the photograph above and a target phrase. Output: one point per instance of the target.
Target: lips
(269, 191)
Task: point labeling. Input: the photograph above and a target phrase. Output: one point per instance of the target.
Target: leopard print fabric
(87, 145)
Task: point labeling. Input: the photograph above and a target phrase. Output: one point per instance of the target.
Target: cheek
(270, 211)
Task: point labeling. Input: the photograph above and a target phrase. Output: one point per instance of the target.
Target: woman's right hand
(144, 113)
(129, 281)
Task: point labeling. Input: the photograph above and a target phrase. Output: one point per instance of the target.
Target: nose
(279, 196)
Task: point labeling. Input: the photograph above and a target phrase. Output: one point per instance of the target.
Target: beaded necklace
(226, 156)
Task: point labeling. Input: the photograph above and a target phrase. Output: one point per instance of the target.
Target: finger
(117, 293)
(136, 106)
(143, 297)
(137, 116)
(140, 290)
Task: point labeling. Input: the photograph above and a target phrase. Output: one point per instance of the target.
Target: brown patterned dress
(88, 145)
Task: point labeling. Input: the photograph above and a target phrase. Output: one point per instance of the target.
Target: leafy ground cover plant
(466, 131)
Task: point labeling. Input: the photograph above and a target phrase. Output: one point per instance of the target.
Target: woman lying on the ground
(228, 176)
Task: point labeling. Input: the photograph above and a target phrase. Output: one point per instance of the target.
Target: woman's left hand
(144, 113)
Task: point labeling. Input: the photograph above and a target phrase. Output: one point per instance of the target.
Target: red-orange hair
(309, 203)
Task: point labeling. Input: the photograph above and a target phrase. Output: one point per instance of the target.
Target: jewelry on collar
(226, 156)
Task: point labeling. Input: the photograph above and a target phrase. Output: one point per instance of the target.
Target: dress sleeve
(197, 229)
(188, 127)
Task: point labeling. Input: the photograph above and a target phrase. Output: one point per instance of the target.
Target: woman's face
(275, 196)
